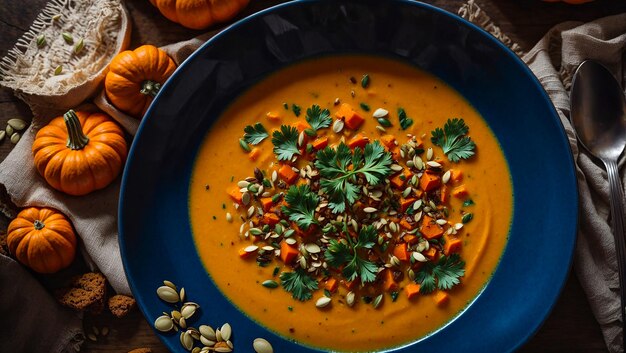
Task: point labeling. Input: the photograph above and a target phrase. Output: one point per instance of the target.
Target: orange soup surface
(413, 234)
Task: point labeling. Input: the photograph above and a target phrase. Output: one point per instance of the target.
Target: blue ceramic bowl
(155, 235)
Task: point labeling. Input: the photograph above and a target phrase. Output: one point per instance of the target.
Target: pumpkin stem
(39, 225)
(76, 138)
(150, 88)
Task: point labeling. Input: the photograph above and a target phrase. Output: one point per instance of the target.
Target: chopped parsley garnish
(444, 274)
(468, 202)
(365, 81)
(286, 106)
(405, 121)
(453, 140)
(285, 142)
(339, 169)
(254, 134)
(317, 117)
(352, 255)
(299, 284)
(296, 109)
(301, 204)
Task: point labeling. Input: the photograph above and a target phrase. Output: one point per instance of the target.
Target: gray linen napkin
(554, 60)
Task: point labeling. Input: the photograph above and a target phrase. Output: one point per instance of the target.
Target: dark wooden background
(571, 326)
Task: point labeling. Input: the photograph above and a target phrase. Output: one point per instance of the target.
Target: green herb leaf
(299, 284)
(339, 168)
(254, 134)
(444, 274)
(453, 140)
(285, 142)
(296, 109)
(317, 117)
(353, 255)
(301, 204)
(405, 121)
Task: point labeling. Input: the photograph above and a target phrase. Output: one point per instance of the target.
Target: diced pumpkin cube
(460, 192)
(389, 284)
(412, 290)
(245, 254)
(331, 285)
(452, 244)
(388, 141)
(301, 125)
(430, 229)
(441, 298)
(406, 225)
(254, 154)
(267, 203)
(287, 174)
(288, 253)
(320, 143)
(406, 203)
(431, 253)
(359, 140)
(456, 175)
(429, 181)
(234, 194)
(400, 251)
(273, 116)
(270, 218)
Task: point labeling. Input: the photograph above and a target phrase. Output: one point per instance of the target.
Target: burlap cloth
(553, 60)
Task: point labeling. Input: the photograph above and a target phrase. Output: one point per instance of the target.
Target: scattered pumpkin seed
(56, 17)
(269, 284)
(370, 210)
(104, 331)
(186, 340)
(182, 294)
(226, 331)
(41, 40)
(261, 345)
(170, 284)
(417, 204)
(467, 217)
(245, 198)
(2, 135)
(229, 217)
(188, 311)
(458, 226)
(323, 302)
(384, 122)
(446, 177)
(164, 323)
(176, 315)
(380, 128)
(380, 113)
(58, 70)
(419, 257)
(79, 46)
(168, 294)
(406, 192)
(290, 241)
(433, 164)
(196, 350)
(68, 37)
(9, 129)
(207, 332)
(312, 248)
(15, 138)
(17, 124)
(441, 221)
(92, 337)
(338, 126)
(350, 298)
(207, 342)
(378, 300)
(244, 145)
(396, 167)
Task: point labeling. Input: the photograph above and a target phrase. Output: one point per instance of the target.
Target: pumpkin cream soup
(351, 203)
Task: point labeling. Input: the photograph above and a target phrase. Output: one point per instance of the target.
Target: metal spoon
(598, 113)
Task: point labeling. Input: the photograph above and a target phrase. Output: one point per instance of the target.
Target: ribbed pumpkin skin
(45, 250)
(79, 172)
(199, 14)
(129, 70)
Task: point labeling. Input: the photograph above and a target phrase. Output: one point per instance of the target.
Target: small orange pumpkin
(199, 14)
(42, 239)
(80, 152)
(135, 77)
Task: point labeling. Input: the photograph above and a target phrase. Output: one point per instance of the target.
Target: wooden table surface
(570, 327)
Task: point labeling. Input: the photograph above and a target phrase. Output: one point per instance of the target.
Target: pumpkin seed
(68, 38)
(269, 284)
(168, 294)
(406, 192)
(338, 126)
(380, 128)
(15, 138)
(164, 323)
(322, 302)
(441, 221)
(2, 135)
(56, 17)
(186, 340)
(418, 162)
(226, 331)
(458, 226)
(58, 70)
(222, 348)
(394, 260)
(396, 167)
(229, 217)
(245, 198)
(429, 153)
(384, 122)
(370, 210)
(176, 315)
(290, 241)
(79, 46)
(92, 337)
(467, 217)
(194, 333)
(208, 332)
(182, 323)
(170, 284)
(433, 164)
(377, 301)
(9, 129)
(104, 331)
(446, 177)
(207, 342)
(41, 40)
(188, 311)
(182, 294)
(380, 113)
(350, 299)
(419, 257)
(261, 345)
(417, 204)
(244, 145)
(196, 350)
(411, 274)
(243, 184)
(251, 211)
(312, 248)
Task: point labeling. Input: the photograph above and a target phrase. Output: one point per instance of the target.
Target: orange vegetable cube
(388, 141)
(431, 253)
(331, 285)
(288, 253)
(430, 229)
(267, 203)
(406, 203)
(354, 121)
(398, 181)
(270, 218)
(452, 244)
(443, 197)
(410, 239)
(350, 285)
(429, 181)
(344, 111)
(406, 225)
(400, 251)
(412, 290)
(273, 116)
(389, 284)
(460, 192)
(287, 174)
(456, 175)
(359, 140)
(441, 298)
(320, 143)
(301, 126)
(234, 194)
(254, 154)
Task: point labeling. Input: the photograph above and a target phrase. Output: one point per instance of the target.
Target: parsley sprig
(254, 134)
(285, 142)
(444, 274)
(352, 255)
(453, 140)
(299, 284)
(339, 168)
(301, 204)
(317, 117)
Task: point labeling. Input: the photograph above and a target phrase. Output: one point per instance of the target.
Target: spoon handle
(617, 219)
